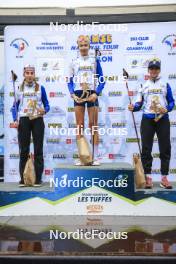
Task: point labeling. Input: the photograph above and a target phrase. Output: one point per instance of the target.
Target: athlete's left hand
(92, 98)
(163, 110)
(41, 111)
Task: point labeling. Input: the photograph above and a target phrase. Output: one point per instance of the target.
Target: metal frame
(71, 18)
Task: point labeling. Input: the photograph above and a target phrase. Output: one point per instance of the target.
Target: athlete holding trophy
(86, 82)
(30, 105)
(157, 100)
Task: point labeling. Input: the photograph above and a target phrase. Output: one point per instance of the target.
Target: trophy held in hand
(32, 109)
(156, 108)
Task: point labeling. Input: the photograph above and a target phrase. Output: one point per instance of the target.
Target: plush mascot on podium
(86, 82)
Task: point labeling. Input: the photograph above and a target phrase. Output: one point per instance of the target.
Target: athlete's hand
(163, 110)
(16, 124)
(75, 98)
(131, 107)
(41, 111)
(92, 98)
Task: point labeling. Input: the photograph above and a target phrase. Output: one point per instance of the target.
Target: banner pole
(14, 77)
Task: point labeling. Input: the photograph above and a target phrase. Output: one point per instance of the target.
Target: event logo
(75, 156)
(14, 140)
(56, 94)
(115, 93)
(59, 125)
(133, 78)
(114, 109)
(116, 156)
(56, 66)
(101, 124)
(170, 42)
(112, 78)
(101, 39)
(138, 62)
(45, 66)
(94, 209)
(119, 124)
(173, 139)
(172, 171)
(115, 141)
(69, 141)
(56, 110)
(172, 76)
(13, 172)
(156, 155)
(173, 124)
(12, 125)
(53, 140)
(132, 93)
(72, 125)
(49, 46)
(134, 63)
(71, 109)
(102, 42)
(48, 172)
(59, 156)
(140, 43)
(53, 78)
(14, 156)
(156, 171)
(131, 140)
(145, 63)
(20, 45)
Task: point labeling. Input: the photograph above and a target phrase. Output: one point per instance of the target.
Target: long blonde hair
(36, 86)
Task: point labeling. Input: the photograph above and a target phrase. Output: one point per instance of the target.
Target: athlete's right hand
(16, 124)
(75, 98)
(131, 107)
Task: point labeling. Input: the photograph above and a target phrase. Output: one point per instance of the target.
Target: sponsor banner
(2, 99)
(51, 52)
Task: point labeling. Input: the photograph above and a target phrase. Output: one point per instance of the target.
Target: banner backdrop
(2, 98)
(51, 49)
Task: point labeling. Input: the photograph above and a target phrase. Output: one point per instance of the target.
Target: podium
(107, 189)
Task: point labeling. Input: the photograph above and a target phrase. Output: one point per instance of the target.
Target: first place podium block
(107, 189)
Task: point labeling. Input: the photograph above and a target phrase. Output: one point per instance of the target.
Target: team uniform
(83, 69)
(28, 100)
(85, 79)
(155, 92)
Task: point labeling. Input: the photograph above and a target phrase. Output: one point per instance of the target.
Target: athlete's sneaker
(38, 184)
(148, 184)
(165, 183)
(78, 163)
(96, 162)
(21, 184)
